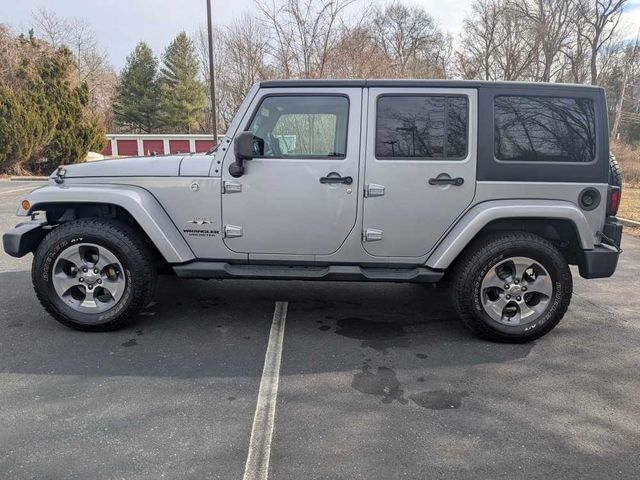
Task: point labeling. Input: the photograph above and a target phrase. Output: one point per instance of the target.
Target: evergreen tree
(44, 115)
(77, 131)
(183, 94)
(137, 99)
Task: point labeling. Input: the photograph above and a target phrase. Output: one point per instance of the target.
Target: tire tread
(485, 248)
(138, 256)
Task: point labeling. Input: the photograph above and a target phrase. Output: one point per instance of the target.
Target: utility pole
(627, 67)
(211, 80)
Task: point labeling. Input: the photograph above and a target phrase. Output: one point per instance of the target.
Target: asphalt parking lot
(377, 382)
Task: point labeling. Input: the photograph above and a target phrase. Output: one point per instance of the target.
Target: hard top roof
(383, 83)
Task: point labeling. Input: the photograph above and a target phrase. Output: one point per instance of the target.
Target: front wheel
(93, 274)
(512, 287)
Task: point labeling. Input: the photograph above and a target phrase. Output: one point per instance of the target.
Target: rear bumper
(24, 238)
(600, 262)
(613, 230)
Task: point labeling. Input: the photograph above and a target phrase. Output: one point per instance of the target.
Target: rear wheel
(93, 274)
(512, 287)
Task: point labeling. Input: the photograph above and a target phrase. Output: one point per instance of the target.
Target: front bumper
(24, 238)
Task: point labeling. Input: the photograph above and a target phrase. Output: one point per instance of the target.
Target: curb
(27, 178)
(629, 223)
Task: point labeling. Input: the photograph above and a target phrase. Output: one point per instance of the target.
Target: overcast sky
(121, 24)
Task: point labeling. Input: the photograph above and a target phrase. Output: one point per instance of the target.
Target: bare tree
(549, 23)
(601, 18)
(357, 55)
(629, 62)
(51, 28)
(575, 51)
(303, 33)
(9, 55)
(480, 40)
(411, 38)
(497, 43)
(240, 60)
(246, 45)
(92, 63)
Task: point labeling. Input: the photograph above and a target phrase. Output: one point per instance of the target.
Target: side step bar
(296, 272)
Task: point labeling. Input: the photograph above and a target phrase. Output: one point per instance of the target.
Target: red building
(134, 145)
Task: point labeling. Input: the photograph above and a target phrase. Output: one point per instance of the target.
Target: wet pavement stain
(231, 399)
(383, 383)
(377, 335)
(324, 328)
(438, 399)
(130, 343)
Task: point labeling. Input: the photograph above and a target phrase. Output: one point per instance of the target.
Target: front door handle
(335, 177)
(444, 179)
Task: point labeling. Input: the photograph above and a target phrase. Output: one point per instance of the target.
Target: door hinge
(231, 187)
(373, 190)
(372, 235)
(232, 231)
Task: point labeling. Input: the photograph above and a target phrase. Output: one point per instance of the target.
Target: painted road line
(23, 189)
(257, 466)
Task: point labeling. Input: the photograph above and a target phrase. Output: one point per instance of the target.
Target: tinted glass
(303, 126)
(421, 127)
(546, 129)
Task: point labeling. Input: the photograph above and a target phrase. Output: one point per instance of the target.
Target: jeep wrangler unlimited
(492, 188)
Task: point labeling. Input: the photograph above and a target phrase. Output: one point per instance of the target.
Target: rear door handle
(446, 180)
(335, 177)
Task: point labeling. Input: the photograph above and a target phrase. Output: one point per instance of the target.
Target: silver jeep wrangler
(492, 189)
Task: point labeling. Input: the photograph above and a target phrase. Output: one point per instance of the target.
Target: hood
(162, 166)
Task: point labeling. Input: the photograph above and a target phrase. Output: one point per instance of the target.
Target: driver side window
(301, 127)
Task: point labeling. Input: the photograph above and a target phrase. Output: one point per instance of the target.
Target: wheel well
(57, 213)
(560, 232)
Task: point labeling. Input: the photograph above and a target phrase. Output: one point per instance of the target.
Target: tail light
(615, 196)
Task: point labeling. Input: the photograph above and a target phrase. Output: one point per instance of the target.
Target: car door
(420, 167)
(298, 195)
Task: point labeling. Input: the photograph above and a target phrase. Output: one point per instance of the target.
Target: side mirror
(243, 147)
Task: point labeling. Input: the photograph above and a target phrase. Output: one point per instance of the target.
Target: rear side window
(421, 127)
(544, 129)
(301, 127)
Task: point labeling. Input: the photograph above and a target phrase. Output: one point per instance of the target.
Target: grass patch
(630, 208)
(629, 158)
(630, 205)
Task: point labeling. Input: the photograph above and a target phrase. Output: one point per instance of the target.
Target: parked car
(493, 189)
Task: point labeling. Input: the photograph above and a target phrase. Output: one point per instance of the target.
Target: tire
(496, 253)
(615, 174)
(133, 274)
